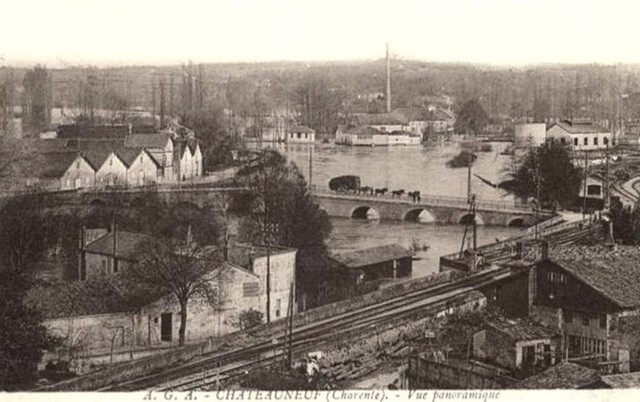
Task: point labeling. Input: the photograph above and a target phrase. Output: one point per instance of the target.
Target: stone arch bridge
(439, 209)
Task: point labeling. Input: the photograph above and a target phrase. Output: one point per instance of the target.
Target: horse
(365, 190)
(381, 191)
(397, 193)
(415, 195)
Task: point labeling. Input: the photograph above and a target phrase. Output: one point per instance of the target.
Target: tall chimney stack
(388, 81)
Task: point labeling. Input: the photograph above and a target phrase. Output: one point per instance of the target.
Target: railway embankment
(192, 353)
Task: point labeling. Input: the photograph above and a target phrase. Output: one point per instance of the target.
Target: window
(563, 141)
(250, 289)
(104, 265)
(603, 321)
(299, 135)
(595, 140)
(585, 320)
(78, 165)
(605, 140)
(586, 141)
(111, 161)
(568, 317)
(115, 266)
(278, 307)
(575, 141)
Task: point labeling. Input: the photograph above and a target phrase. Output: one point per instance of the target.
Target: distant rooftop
(371, 255)
(581, 126)
(520, 329)
(379, 119)
(564, 375)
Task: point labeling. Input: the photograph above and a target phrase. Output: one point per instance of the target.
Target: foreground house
(106, 312)
(300, 134)
(592, 296)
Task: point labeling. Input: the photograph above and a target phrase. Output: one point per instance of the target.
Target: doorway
(165, 327)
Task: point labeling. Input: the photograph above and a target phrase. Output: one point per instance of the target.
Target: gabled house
(592, 296)
(110, 169)
(142, 168)
(160, 146)
(63, 171)
(581, 134)
(105, 311)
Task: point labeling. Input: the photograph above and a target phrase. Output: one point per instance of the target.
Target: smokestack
(388, 81)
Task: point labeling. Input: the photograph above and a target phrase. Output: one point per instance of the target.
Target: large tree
(280, 206)
(178, 267)
(546, 171)
(37, 99)
(471, 119)
(23, 236)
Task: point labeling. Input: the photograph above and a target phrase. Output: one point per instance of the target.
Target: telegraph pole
(584, 192)
(607, 201)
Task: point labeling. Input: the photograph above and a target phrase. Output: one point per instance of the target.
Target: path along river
(409, 168)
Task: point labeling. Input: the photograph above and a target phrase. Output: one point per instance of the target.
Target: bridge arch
(517, 221)
(466, 219)
(364, 212)
(421, 215)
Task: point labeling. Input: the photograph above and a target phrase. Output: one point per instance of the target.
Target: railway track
(224, 366)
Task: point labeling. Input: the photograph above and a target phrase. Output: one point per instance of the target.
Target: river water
(409, 168)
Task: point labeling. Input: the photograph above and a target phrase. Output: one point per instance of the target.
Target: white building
(580, 134)
(300, 134)
(530, 135)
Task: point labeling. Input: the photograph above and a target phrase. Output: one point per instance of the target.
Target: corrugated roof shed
(371, 256)
(564, 375)
(615, 274)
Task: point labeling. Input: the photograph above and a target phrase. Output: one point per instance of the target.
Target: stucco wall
(112, 171)
(79, 175)
(282, 275)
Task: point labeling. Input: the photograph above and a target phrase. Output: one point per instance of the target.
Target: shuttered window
(250, 289)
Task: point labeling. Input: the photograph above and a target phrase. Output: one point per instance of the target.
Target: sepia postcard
(319, 200)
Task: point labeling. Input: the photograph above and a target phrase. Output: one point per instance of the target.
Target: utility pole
(584, 192)
(607, 202)
(311, 167)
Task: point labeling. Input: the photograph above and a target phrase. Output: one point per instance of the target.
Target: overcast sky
(505, 32)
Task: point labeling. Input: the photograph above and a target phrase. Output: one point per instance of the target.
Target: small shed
(390, 261)
(516, 344)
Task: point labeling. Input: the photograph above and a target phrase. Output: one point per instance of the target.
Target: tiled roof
(53, 165)
(627, 380)
(615, 274)
(158, 140)
(564, 375)
(581, 127)
(301, 129)
(128, 155)
(378, 119)
(520, 330)
(127, 244)
(79, 298)
(371, 256)
(96, 157)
